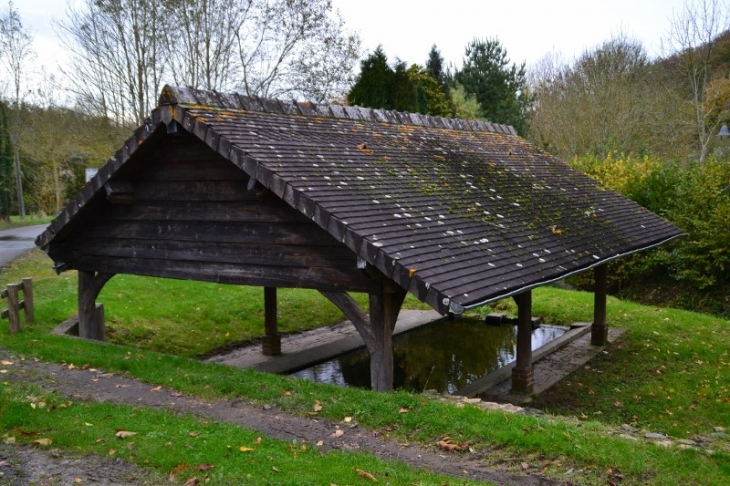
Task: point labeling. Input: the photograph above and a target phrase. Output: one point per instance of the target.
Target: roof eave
(456, 308)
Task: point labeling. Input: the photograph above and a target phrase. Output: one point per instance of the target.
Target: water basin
(444, 356)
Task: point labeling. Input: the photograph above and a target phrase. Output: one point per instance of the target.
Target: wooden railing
(12, 313)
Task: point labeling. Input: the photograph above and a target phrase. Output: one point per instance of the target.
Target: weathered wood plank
(192, 191)
(250, 211)
(212, 231)
(319, 278)
(192, 170)
(215, 252)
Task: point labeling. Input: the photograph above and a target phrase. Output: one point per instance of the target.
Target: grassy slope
(665, 376)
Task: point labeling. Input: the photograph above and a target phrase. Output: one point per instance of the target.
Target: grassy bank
(667, 375)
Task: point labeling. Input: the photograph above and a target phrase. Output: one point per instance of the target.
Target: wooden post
(599, 328)
(384, 309)
(14, 307)
(376, 329)
(91, 323)
(523, 375)
(28, 300)
(272, 341)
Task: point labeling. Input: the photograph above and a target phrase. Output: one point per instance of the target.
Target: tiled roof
(458, 212)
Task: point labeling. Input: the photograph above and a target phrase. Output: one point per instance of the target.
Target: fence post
(28, 300)
(13, 310)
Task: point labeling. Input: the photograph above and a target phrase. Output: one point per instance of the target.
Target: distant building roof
(458, 212)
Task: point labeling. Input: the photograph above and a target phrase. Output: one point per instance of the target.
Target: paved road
(16, 241)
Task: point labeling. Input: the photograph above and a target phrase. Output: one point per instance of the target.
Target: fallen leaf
(618, 404)
(204, 467)
(403, 410)
(246, 449)
(258, 440)
(5, 362)
(72, 366)
(366, 475)
(287, 393)
(9, 440)
(77, 481)
(525, 466)
(157, 388)
(88, 424)
(338, 433)
(348, 419)
(42, 442)
(275, 469)
(193, 434)
(317, 406)
(112, 452)
(123, 434)
(319, 443)
(176, 470)
(191, 482)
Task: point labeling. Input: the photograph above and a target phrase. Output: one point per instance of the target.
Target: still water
(443, 356)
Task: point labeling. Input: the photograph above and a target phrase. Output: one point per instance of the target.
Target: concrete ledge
(69, 327)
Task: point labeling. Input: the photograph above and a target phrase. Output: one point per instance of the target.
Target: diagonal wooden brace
(91, 326)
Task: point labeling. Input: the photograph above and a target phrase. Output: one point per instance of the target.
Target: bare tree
(117, 60)
(692, 50)
(123, 50)
(597, 103)
(286, 45)
(16, 52)
(202, 48)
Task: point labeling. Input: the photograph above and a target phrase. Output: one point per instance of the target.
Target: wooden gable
(180, 210)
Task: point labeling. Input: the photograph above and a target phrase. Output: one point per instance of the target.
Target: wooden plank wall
(192, 217)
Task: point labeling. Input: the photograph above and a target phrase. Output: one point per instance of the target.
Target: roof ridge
(172, 95)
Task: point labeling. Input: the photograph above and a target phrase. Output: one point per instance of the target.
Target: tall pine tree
(500, 89)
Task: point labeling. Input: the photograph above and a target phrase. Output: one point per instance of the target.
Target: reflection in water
(444, 356)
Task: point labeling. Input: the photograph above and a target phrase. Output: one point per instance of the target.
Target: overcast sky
(527, 29)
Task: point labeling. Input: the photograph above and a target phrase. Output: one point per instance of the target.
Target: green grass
(177, 316)
(667, 375)
(164, 442)
(29, 219)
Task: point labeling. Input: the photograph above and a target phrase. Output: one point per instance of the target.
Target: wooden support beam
(523, 377)
(384, 309)
(91, 322)
(376, 329)
(352, 311)
(599, 328)
(272, 341)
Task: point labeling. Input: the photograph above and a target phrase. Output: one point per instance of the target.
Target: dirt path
(271, 421)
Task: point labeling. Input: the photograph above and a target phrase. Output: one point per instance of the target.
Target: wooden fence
(12, 313)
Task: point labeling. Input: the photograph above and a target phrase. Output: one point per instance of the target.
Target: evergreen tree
(431, 98)
(435, 66)
(500, 89)
(6, 167)
(400, 87)
(372, 88)
(404, 90)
